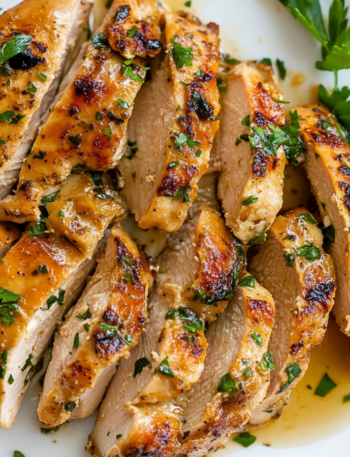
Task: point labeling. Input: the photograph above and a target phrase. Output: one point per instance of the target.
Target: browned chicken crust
(133, 28)
(165, 193)
(26, 77)
(327, 161)
(109, 318)
(301, 278)
(9, 233)
(251, 181)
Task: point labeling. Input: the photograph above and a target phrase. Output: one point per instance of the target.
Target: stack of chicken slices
(209, 339)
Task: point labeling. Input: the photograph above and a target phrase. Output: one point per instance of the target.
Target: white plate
(310, 425)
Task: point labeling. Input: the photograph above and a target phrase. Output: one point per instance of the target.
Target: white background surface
(250, 29)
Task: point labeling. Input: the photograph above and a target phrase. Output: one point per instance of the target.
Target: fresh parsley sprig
(335, 43)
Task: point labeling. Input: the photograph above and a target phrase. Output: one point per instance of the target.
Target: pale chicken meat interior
(29, 79)
(173, 125)
(251, 180)
(236, 372)
(294, 268)
(101, 328)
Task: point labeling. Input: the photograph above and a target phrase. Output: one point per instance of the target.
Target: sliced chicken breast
(251, 181)
(133, 28)
(198, 273)
(43, 34)
(9, 234)
(327, 163)
(82, 209)
(103, 326)
(300, 276)
(236, 372)
(85, 129)
(40, 277)
(173, 125)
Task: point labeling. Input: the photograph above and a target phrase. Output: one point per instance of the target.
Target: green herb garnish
(140, 364)
(181, 55)
(249, 200)
(325, 386)
(245, 439)
(15, 45)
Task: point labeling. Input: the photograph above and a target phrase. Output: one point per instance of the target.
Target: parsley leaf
(14, 46)
(140, 364)
(182, 56)
(165, 369)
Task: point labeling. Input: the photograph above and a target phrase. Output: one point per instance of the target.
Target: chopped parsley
(14, 46)
(49, 198)
(43, 269)
(307, 218)
(128, 72)
(222, 85)
(268, 360)
(182, 193)
(86, 327)
(76, 342)
(165, 369)
(8, 304)
(188, 4)
(309, 252)
(281, 69)
(86, 315)
(40, 155)
(257, 338)
(266, 61)
(107, 131)
(32, 89)
(132, 31)
(173, 164)
(38, 229)
(260, 239)
(325, 386)
(293, 372)
(75, 140)
(245, 439)
(27, 363)
(329, 234)
(227, 385)
(99, 41)
(53, 299)
(181, 55)
(249, 200)
(248, 281)
(60, 213)
(193, 322)
(229, 60)
(122, 104)
(10, 379)
(140, 364)
(128, 339)
(246, 121)
(70, 406)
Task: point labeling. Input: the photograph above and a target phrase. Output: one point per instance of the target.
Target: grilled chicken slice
(173, 125)
(82, 209)
(40, 277)
(327, 162)
(300, 276)
(9, 234)
(251, 181)
(133, 28)
(198, 272)
(236, 372)
(85, 130)
(103, 326)
(43, 33)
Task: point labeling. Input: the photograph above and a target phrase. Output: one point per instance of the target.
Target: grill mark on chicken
(175, 180)
(292, 261)
(90, 89)
(133, 28)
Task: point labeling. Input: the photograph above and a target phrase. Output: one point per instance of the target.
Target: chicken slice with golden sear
(40, 277)
(236, 372)
(251, 163)
(327, 163)
(36, 37)
(9, 234)
(173, 125)
(133, 28)
(300, 276)
(198, 272)
(85, 129)
(103, 326)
